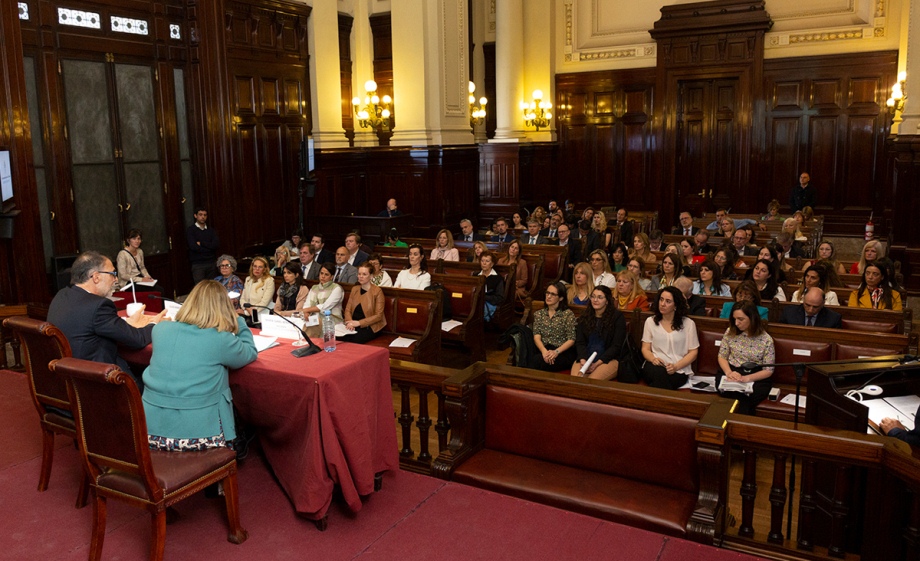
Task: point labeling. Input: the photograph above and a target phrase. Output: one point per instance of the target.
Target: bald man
(811, 312)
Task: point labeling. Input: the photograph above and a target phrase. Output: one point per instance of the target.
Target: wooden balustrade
(424, 379)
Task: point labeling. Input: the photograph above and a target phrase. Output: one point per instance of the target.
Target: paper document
(341, 330)
(449, 324)
(701, 383)
(587, 363)
(789, 399)
(146, 283)
(906, 404)
(728, 386)
(275, 326)
(879, 409)
(403, 342)
(262, 342)
(172, 308)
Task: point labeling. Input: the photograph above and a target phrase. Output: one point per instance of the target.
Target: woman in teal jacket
(187, 396)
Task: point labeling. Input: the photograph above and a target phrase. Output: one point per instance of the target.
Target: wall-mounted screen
(6, 176)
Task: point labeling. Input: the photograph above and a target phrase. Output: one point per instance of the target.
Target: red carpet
(412, 517)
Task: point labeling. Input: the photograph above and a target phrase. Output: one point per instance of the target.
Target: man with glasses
(574, 249)
(686, 227)
(89, 320)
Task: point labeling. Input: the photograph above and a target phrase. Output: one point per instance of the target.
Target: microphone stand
(311, 348)
(799, 369)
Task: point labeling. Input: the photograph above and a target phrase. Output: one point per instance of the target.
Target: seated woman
(678, 251)
(816, 276)
(599, 225)
(874, 290)
(393, 239)
(514, 259)
(282, 258)
(226, 264)
(725, 258)
(601, 329)
(379, 277)
(472, 256)
(710, 281)
(745, 291)
(325, 295)
(292, 293)
(518, 222)
(415, 275)
(763, 276)
(258, 288)
(554, 332)
(669, 342)
(827, 252)
(579, 292)
(600, 269)
(726, 228)
(746, 342)
(494, 287)
(619, 257)
(641, 248)
(688, 252)
(772, 214)
(130, 263)
(768, 253)
(636, 266)
(444, 247)
(791, 225)
(364, 312)
(671, 269)
(588, 214)
(872, 251)
(187, 397)
(629, 295)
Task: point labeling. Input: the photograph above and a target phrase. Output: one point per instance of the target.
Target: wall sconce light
(477, 112)
(895, 103)
(375, 113)
(535, 113)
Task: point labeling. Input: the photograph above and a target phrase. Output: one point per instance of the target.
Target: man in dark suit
(803, 194)
(344, 272)
(501, 232)
(553, 230)
(467, 233)
(791, 248)
(739, 241)
(812, 312)
(625, 226)
(696, 303)
(533, 237)
(320, 254)
(589, 238)
(703, 247)
(686, 227)
(89, 320)
(894, 428)
(355, 255)
(308, 265)
(574, 255)
(390, 210)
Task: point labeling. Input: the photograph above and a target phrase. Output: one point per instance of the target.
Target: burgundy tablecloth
(322, 420)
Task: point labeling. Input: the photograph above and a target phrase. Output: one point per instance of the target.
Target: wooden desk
(323, 420)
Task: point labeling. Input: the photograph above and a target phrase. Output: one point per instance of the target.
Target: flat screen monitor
(6, 176)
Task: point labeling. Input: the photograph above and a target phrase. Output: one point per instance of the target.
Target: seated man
(553, 230)
(355, 255)
(533, 237)
(501, 232)
(703, 247)
(574, 247)
(344, 271)
(686, 227)
(625, 227)
(791, 248)
(655, 240)
(739, 222)
(89, 320)
(739, 241)
(811, 312)
(696, 302)
(390, 210)
(467, 233)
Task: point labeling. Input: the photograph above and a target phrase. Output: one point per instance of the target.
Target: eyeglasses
(596, 259)
(113, 273)
(554, 294)
(225, 265)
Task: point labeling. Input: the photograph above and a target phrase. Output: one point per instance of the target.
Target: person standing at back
(202, 246)
(803, 194)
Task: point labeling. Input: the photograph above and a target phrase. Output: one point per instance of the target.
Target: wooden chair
(112, 436)
(41, 343)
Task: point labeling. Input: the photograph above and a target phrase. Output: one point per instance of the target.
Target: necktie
(686, 231)
(533, 240)
(552, 233)
(469, 238)
(810, 321)
(338, 271)
(304, 268)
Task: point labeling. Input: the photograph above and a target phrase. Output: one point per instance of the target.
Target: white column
(362, 49)
(909, 61)
(479, 64)
(430, 72)
(323, 32)
(509, 70)
(538, 62)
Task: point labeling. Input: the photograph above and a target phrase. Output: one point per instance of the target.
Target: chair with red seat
(112, 436)
(42, 342)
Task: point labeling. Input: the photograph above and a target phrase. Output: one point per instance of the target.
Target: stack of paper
(728, 386)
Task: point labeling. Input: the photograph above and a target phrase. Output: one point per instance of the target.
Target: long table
(323, 420)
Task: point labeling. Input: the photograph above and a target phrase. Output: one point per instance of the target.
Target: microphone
(311, 348)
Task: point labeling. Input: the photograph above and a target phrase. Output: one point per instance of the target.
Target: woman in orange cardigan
(364, 312)
(629, 295)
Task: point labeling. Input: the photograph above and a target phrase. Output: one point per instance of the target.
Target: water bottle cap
(327, 313)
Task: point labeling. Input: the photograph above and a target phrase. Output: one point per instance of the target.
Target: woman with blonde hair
(600, 269)
(873, 250)
(629, 295)
(599, 224)
(187, 397)
(791, 225)
(259, 286)
(642, 248)
(444, 247)
(514, 259)
(282, 258)
(475, 251)
(579, 292)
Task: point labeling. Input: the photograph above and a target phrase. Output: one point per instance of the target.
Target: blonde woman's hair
(646, 244)
(602, 227)
(603, 259)
(585, 269)
(266, 272)
(450, 239)
(207, 307)
(636, 289)
(879, 249)
(287, 254)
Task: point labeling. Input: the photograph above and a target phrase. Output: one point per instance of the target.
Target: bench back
(640, 445)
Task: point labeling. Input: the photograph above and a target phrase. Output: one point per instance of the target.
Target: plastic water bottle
(328, 332)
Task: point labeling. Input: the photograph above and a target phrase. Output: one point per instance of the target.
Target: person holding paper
(187, 399)
(894, 428)
(292, 294)
(364, 312)
(746, 341)
(325, 295)
(130, 263)
(602, 332)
